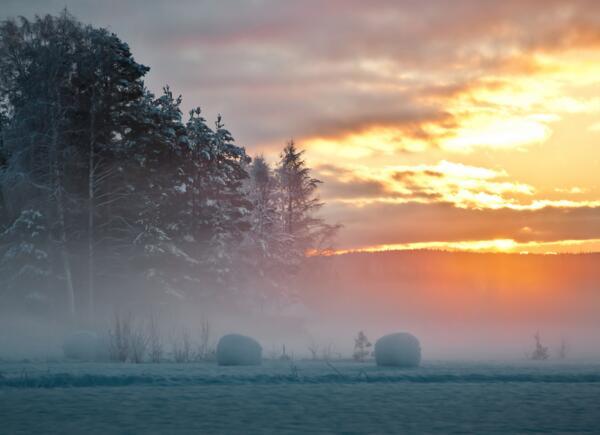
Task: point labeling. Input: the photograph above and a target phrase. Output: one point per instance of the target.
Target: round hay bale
(238, 350)
(398, 350)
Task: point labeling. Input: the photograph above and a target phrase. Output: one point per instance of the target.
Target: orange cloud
(446, 182)
(451, 111)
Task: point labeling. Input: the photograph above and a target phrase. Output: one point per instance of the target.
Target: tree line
(108, 193)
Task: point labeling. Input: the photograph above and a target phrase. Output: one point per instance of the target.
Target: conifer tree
(123, 194)
(25, 263)
(361, 347)
(299, 204)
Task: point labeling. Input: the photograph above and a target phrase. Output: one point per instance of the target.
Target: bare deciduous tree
(205, 350)
(119, 338)
(181, 347)
(138, 343)
(156, 351)
(313, 348)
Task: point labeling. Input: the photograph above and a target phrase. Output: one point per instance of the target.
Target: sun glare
(511, 133)
(506, 246)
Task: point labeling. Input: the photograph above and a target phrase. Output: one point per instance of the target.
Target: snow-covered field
(299, 397)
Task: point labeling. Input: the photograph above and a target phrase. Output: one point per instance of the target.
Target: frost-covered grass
(299, 397)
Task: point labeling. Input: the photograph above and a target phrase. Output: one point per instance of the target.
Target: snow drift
(400, 350)
(237, 350)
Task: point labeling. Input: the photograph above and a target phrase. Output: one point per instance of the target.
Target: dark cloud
(343, 183)
(354, 188)
(310, 68)
(279, 69)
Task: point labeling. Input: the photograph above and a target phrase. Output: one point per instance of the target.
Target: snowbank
(400, 350)
(82, 345)
(237, 350)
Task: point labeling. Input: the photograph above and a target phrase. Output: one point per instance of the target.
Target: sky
(463, 125)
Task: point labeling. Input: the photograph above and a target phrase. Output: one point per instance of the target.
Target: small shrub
(119, 338)
(313, 348)
(156, 349)
(138, 343)
(327, 353)
(127, 340)
(284, 356)
(205, 350)
(182, 347)
(540, 352)
(362, 347)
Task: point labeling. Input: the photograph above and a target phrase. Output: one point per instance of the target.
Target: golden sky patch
(508, 246)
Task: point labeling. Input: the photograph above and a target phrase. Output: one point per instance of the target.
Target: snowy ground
(300, 397)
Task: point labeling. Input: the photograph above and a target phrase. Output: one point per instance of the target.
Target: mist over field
(266, 216)
(487, 306)
(465, 305)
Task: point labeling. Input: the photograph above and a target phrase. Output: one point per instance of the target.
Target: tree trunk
(63, 244)
(290, 213)
(91, 214)
(60, 212)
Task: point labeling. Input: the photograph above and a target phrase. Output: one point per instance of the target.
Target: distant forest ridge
(427, 288)
(366, 252)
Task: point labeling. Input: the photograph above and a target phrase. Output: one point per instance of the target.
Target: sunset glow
(507, 246)
(490, 113)
(316, 216)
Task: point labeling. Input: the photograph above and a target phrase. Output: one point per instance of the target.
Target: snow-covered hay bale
(238, 350)
(82, 345)
(398, 350)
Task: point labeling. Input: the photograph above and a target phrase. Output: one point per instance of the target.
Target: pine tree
(24, 261)
(35, 73)
(361, 347)
(115, 182)
(68, 88)
(4, 120)
(226, 207)
(262, 254)
(299, 204)
(106, 82)
(156, 150)
(265, 230)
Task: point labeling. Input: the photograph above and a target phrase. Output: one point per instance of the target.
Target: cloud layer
(444, 121)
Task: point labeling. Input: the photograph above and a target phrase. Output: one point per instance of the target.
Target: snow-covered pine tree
(105, 82)
(156, 147)
(119, 181)
(69, 89)
(4, 119)
(263, 249)
(25, 267)
(298, 205)
(195, 184)
(229, 208)
(36, 61)
(265, 232)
